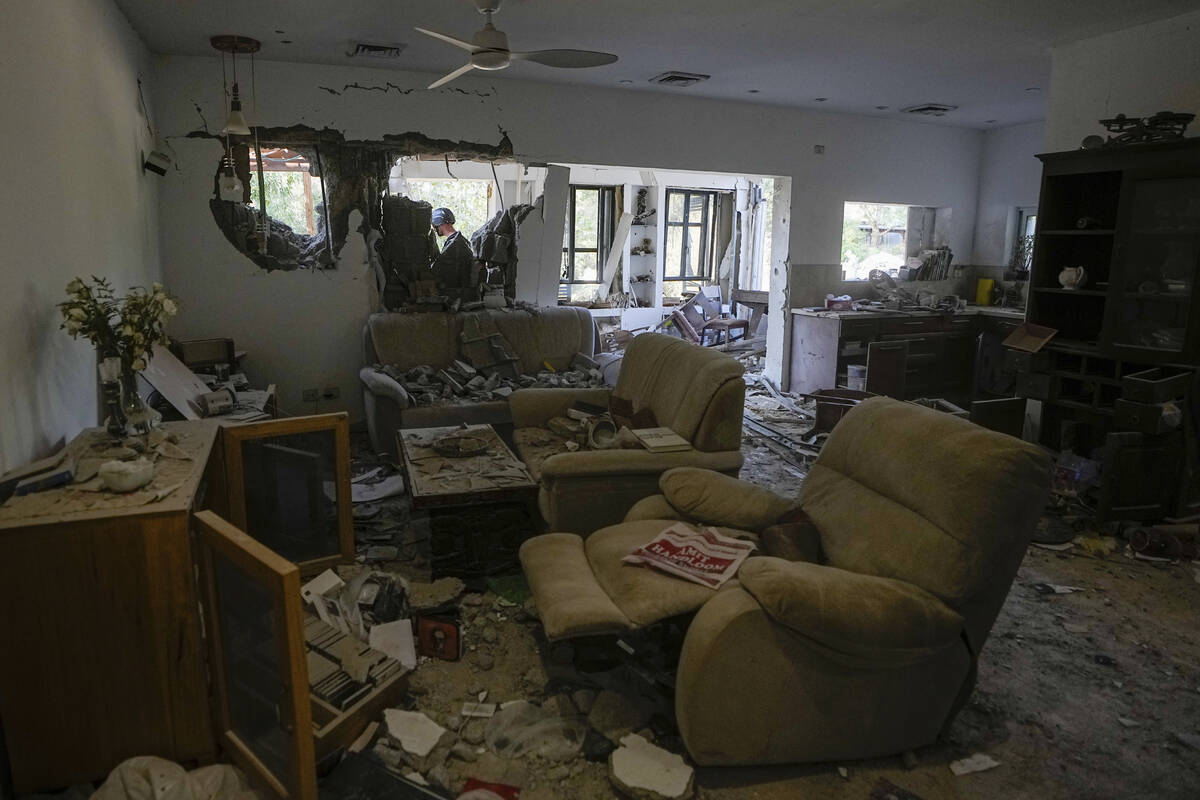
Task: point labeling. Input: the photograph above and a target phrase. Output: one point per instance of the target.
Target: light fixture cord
(225, 106)
(499, 192)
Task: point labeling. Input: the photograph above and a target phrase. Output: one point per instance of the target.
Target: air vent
(930, 109)
(675, 78)
(374, 50)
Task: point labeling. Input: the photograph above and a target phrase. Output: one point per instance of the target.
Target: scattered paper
(1129, 723)
(976, 763)
(369, 492)
(381, 552)
(1059, 547)
(395, 639)
(366, 476)
(416, 733)
(169, 450)
(321, 585)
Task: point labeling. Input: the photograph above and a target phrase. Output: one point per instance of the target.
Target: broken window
(591, 214)
(690, 241)
(468, 199)
(290, 188)
(873, 237)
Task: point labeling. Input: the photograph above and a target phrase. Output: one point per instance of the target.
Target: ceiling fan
(489, 50)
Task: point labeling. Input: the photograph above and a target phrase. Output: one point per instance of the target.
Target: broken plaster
(355, 175)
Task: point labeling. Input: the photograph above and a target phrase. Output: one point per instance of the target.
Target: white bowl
(125, 476)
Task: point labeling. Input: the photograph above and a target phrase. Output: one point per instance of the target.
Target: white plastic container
(856, 376)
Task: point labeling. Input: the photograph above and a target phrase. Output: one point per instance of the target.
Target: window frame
(707, 235)
(606, 206)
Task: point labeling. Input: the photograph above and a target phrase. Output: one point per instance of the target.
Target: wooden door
(256, 640)
(289, 487)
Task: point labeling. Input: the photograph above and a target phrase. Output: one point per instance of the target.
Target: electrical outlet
(331, 393)
(310, 395)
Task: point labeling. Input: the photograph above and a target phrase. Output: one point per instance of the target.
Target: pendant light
(233, 44)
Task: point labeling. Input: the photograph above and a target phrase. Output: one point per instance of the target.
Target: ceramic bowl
(125, 476)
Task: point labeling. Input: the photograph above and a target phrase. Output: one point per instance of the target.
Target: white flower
(75, 286)
(139, 338)
(139, 364)
(77, 313)
(169, 307)
(73, 326)
(127, 330)
(156, 287)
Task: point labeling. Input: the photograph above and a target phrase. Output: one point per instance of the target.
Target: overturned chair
(865, 643)
(697, 392)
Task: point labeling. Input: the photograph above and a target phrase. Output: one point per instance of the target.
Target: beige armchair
(921, 520)
(696, 392)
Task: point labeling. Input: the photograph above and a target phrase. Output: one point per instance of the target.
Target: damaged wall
(76, 202)
(303, 329)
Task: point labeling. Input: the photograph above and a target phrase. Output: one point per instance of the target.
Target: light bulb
(230, 188)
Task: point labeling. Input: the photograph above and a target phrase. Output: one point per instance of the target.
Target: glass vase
(139, 417)
(110, 385)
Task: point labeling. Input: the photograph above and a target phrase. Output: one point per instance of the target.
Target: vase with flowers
(124, 330)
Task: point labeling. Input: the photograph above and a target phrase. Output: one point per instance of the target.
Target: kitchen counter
(970, 310)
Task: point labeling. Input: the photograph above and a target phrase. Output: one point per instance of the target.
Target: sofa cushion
(674, 379)
(716, 499)
(535, 445)
(569, 601)
(847, 612)
(906, 492)
(644, 595)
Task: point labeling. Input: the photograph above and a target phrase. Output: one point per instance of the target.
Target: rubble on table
(462, 383)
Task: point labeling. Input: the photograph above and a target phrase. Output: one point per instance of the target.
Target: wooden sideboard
(93, 585)
(941, 347)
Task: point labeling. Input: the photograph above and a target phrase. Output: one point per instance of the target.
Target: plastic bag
(523, 728)
(153, 778)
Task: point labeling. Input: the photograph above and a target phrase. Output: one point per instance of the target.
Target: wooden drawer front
(915, 325)
(857, 328)
(1143, 417)
(919, 344)
(960, 324)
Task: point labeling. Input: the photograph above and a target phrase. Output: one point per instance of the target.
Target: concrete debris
(423, 596)
(584, 698)
(416, 733)
(483, 661)
(453, 385)
(473, 733)
(614, 715)
(976, 763)
(482, 710)
(641, 770)
(1126, 722)
(464, 752)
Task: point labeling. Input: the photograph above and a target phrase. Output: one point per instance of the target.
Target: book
(661, 440)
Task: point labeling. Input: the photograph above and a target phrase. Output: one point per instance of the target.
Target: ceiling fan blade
(570, 59)
(449, 39)
(463, 70)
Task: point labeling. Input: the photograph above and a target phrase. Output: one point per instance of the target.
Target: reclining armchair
(866, 646)
(698, 393)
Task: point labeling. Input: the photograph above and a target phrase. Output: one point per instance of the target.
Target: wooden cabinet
(103, 657)
(105, 652)
(940, 349)
(1130, 217)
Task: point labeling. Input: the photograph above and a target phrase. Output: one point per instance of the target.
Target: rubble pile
(460, 383)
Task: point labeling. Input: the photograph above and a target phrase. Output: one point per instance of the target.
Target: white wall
(1009, 176)
(1137, 72)
(302, 328)
(75, 202)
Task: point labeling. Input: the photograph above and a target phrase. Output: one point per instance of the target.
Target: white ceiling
(982, 55)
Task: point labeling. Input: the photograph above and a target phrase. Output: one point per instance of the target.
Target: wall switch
(310, 395)
(331, 393)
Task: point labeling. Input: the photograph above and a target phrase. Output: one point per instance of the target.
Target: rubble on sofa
(460, 383)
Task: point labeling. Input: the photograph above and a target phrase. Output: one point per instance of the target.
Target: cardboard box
(1029, 337)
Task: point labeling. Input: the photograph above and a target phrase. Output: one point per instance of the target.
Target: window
(874, 236)
(289, 187)
(468, 199)
(590, 213)
(1022, 250)
(690, 239)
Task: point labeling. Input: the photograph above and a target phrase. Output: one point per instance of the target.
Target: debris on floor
(641, 770)
(976, 763)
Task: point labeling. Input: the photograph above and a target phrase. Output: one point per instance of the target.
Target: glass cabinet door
(256, 639)
(1152, 300)
(289, 487)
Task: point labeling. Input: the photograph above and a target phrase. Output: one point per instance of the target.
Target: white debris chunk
(640, 769)
(976, 763)
(416, 733)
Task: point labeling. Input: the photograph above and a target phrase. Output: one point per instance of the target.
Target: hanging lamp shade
(235, 124)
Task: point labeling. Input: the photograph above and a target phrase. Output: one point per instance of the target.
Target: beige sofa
(921, 520)
(696, 392)
(406, 340)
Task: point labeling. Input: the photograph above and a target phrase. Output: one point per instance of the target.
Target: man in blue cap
(454, 266)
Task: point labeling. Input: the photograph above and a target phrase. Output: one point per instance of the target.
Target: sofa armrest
(864, 616)
(716, 499)
(532, 408)
(598, 463)
(653, 507)
(384, 385)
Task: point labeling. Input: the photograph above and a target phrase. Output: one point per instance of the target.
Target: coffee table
(481, 507)
(436, 480)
